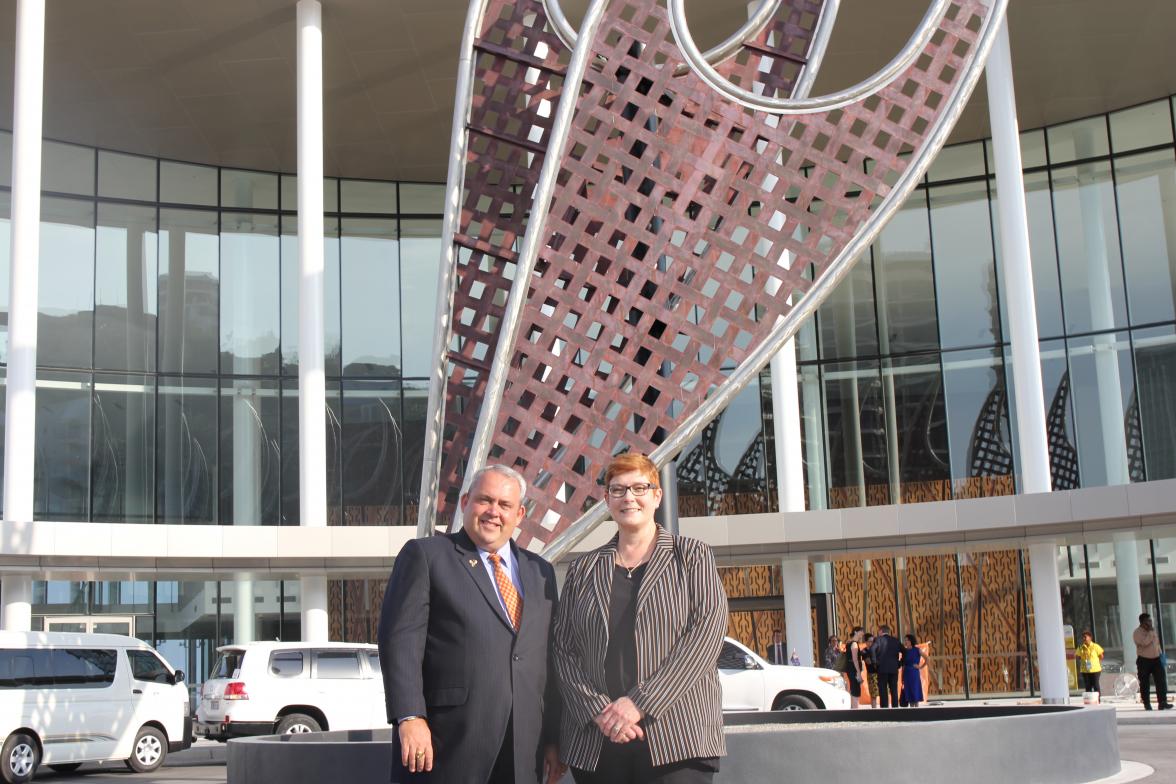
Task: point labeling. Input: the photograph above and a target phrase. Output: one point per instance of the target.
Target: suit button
(516, 657)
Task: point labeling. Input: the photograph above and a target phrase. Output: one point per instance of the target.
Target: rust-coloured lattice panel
(660, 265)
(519, 69)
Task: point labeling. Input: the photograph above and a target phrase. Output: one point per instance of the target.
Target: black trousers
(888, 682)
(629, 763)
(1090, 681)
(1151, 669)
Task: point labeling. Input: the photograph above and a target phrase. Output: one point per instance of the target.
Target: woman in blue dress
(912, 679)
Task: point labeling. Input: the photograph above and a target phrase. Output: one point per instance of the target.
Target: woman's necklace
(630, 569)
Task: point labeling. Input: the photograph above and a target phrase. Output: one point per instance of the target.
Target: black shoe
(1146, 706)
(1166, 706)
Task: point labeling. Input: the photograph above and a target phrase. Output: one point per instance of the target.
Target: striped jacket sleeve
(582, 701)
(695, 651)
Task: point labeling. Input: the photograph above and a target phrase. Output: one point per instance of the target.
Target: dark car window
(287, 664)
(146, 666)
(83, 668)
(227, 665)
(337, 664)
(732, 658)
(24, 668)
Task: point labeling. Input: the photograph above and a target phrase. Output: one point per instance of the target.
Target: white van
(264, 688)
(68, 698)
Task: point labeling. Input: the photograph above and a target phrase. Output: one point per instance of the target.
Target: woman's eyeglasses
(638, 490)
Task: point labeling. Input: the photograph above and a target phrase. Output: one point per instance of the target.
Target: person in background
(636, 640)
(1088, 656)
(871, 668)
(886, 652)
(912, 678)
(1148, 665)
(832, 651)
(776, 653)
(853, 666)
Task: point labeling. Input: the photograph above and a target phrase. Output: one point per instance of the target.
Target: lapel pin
(473, 562)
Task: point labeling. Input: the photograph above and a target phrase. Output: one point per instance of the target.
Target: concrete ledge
(1034, 744)
(966, 745)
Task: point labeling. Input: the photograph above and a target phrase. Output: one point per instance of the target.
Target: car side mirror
(178, 677)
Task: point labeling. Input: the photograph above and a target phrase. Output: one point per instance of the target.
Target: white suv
(751, 684)
(265, 688)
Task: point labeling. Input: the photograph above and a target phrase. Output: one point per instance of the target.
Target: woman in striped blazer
(636, 642)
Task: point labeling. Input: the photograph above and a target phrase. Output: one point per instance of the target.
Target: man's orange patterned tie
(510, 597)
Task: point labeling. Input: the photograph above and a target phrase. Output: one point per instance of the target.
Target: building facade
(165, 470)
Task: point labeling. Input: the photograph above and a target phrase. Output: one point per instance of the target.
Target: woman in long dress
(912, 677)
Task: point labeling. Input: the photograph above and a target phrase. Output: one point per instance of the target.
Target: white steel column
(1130, 595)
(312, 388)
(1047, 617)
(798, 624)
(20, 427)
(1032, 439)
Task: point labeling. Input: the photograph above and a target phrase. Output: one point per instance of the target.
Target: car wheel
(20, 755)
(65, 767)
(149, 750)
(793, 702)
(297, 723)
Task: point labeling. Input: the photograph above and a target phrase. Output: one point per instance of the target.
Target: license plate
(216, 704)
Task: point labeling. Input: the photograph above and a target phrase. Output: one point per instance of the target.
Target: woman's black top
(620, 660)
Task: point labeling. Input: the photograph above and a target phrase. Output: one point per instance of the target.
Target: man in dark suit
(464, 648)
(886, 650)
(777, 652)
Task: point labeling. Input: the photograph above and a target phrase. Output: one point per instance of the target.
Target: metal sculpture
(627, 216)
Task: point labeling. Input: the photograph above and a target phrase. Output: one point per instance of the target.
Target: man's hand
(553, 769)
(619, 721)
(416, 745)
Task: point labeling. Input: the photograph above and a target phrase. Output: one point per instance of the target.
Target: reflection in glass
(1146, 188)
(1105, 409)
(123, 449)
(331, 337)
(186, 629)
(61, 473)
(290, 513)
(123, 176)
(368, 196)
(1155, 365)
(373, 443)
(187, 439)
(812, 437)
(1078, 140)
(370, 279)
(249, 294)
(978, 426)
(916, 431)
(67, 168)
(5, 250)
(1141, 126)
(957, 162)
(250, 457)
(60, 597)
(905, 279)
(859, 474)
(416, 403)
(846, 318)
(120, 596)
(65, 303)
(249, 190)
(1043, 251)
(186, 183)
(1088, 248)
(420, 259)
(188, 291)
(965, 274)
(125, 295)
(421, 198)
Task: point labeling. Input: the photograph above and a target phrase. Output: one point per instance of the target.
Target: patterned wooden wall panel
(994, 618)
(739, 627)
(849, 595)
(354, 609)
(754, 628)
(335, 610)
(929, 594)
(880, 607)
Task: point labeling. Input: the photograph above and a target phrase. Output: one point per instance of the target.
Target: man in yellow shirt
(1088, 657)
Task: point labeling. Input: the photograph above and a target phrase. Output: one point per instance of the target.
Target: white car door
(742, 679)
(374, 690)
(338, 679)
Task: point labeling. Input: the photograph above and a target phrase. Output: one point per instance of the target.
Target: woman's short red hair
(631, 461)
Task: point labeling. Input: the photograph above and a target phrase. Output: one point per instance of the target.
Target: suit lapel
(660, 564)
(602, 577)
(470, 562)
(532, 582)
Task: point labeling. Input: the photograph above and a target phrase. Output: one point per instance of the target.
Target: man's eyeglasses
(638, 490)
